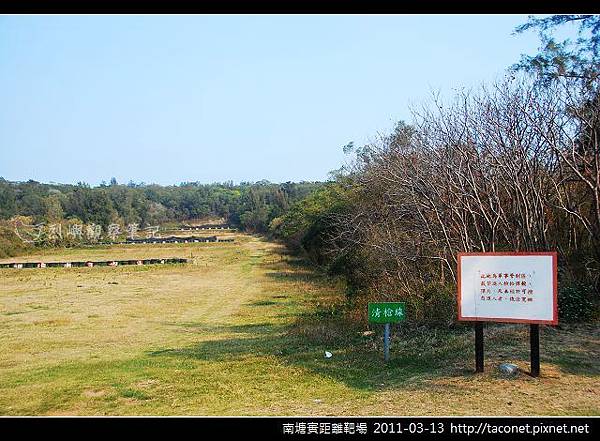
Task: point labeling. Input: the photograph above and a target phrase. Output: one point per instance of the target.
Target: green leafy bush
(433, 305)
(575, 303)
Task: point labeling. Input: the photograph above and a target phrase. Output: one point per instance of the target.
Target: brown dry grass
(242, 331)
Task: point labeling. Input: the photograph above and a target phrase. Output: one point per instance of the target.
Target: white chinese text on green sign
(387, 312)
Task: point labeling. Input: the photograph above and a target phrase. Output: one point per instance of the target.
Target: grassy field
(242, 331)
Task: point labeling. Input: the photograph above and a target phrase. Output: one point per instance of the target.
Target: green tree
(53, 208)
(8, 200)
(578, 58)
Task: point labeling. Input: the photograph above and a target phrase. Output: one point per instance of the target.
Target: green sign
(387, 312)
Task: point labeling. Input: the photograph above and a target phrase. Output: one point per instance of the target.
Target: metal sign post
(534, 343)
(386, 313)
(478, 346)
(386, 342)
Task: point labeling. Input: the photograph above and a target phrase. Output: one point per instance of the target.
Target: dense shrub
(10, 244)
(439, 304)
(575, 303)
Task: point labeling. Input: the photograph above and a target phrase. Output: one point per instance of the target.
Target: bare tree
(512, 166)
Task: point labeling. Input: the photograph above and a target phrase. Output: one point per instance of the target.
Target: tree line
(514, 165)
(248, 206)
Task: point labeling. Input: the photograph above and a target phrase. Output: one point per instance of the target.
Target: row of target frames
(113, 263)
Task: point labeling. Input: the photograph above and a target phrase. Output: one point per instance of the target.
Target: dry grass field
(241, 330)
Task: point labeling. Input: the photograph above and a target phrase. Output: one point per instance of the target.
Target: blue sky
(167, 99)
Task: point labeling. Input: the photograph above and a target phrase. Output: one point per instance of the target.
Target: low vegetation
(243, 328)
(243, 331)
(10, 243)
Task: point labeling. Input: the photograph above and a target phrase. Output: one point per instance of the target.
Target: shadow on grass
(573, 362)
(284, 276)
(417, 355)
(357, 361)
(575, 349)
(250, 328)
(263, 303)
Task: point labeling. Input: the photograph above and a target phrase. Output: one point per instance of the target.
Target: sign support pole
(386, 313)
(478, 346)
(386, 342)
(534, 342)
